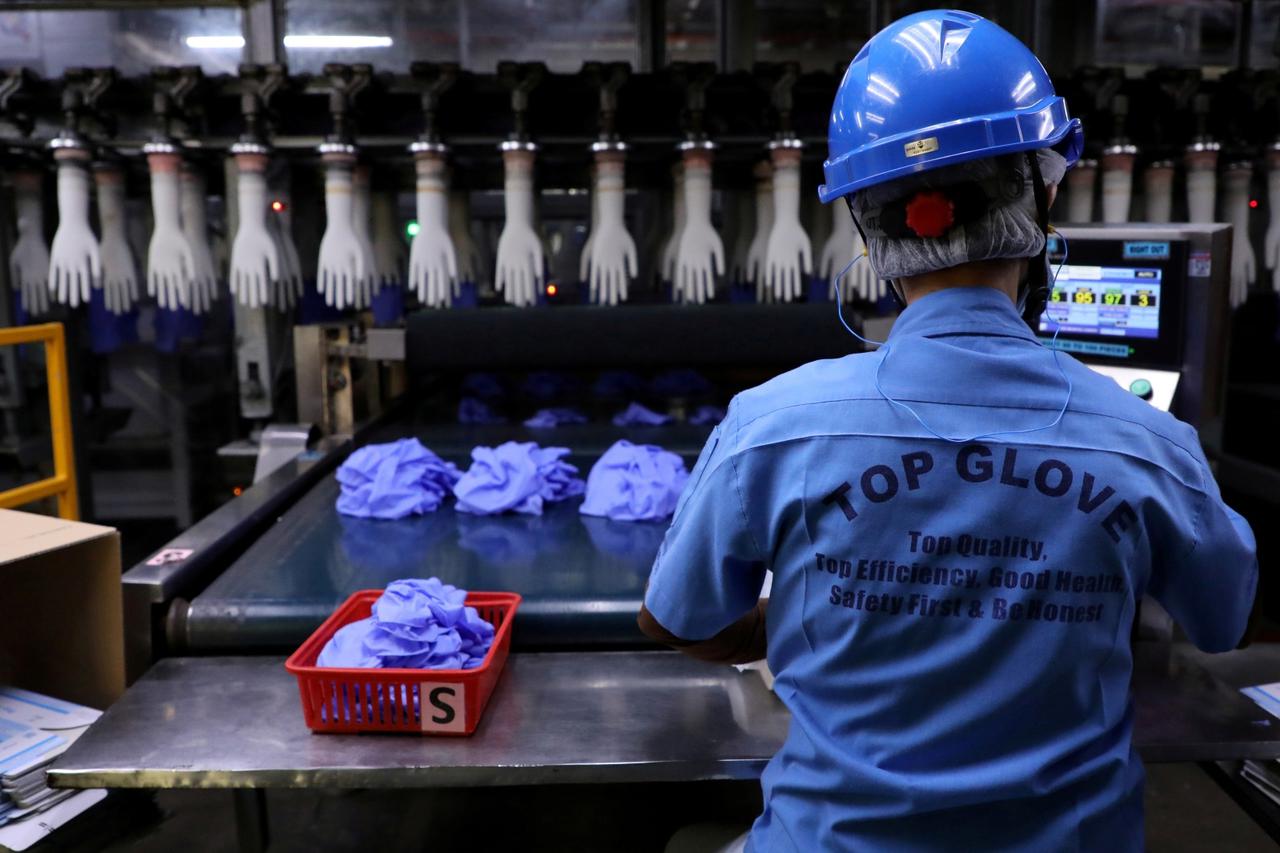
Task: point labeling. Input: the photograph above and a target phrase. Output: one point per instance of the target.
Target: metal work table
(582, 578)
(235, 722)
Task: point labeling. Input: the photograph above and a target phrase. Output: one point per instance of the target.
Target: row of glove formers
(360, 251)
(1213, 192)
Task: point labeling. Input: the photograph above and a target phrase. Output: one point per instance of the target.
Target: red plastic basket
(417, 701)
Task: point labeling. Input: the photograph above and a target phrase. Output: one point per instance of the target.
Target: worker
(960, 525)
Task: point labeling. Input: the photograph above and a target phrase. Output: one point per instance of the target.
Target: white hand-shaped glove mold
(700, 255)
(170, 264)
(1202, 181)
(288, 283)
(433, 263)
(342, 270)
(1157, 189)
(839, 251)
(520, 261)
(74, 263)
(756, 254)
(613, 252)
(389, 249)
(120, 286)
(255, 256)
(1273, 225)
(667, 257)
(584, 260)
(1080, 182)
(29, 261)
(788, 253)
(204, 276)
(460, 233)
(361, 211)
(1117, 182)
(1244, 270)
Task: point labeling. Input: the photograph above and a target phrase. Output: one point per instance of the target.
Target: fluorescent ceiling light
(337, 42)
(215, 42)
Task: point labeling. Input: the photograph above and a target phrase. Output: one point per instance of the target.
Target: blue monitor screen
(1119, 302)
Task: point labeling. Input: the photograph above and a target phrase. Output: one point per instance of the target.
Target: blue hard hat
(935, 89)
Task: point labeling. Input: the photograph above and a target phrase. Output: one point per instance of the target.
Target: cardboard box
(61, 615)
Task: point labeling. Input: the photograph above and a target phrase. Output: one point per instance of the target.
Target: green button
(1141, 388)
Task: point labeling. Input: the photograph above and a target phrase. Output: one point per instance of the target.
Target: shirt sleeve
(1208, 576)
(709, 571)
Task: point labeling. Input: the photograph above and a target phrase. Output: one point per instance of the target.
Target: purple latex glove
(394, 480)
(707, 416)
(635, 482)
(554, 417)
(346, 648)
(638, 415)
(680, 383)
(516, 477)
(500, 479)
(416, 624)
(473, 411)
(560, 480)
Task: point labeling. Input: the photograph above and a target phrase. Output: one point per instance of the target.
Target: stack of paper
(34, 730)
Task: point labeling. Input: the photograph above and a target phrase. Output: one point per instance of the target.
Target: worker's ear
(1051, 190)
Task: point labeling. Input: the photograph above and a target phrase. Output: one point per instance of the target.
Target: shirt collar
(961, 310)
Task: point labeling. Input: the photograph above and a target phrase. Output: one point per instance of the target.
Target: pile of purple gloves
(416, 624)
(516, 477)
(635, 482)
(394, 480)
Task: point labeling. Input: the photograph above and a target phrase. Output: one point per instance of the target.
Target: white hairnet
(1010, 231)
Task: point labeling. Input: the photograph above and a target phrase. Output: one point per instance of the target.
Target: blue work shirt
(949, 623)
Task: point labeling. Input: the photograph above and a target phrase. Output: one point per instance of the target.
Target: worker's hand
(120, 286)
(75, 265)
(29, 261)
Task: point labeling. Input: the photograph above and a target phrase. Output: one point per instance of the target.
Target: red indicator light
(237, 491)
(1253, 202)
(552, 290)
(277, 206)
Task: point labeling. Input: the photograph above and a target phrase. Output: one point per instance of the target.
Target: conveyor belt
(582, 578)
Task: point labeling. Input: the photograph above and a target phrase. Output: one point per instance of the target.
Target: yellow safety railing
(63, 481)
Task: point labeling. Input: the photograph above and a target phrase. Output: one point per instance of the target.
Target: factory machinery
(360, 244)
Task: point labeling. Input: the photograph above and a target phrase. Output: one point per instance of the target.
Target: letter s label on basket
(445, 709)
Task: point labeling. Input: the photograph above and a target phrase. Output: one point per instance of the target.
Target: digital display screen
(1103, 301)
